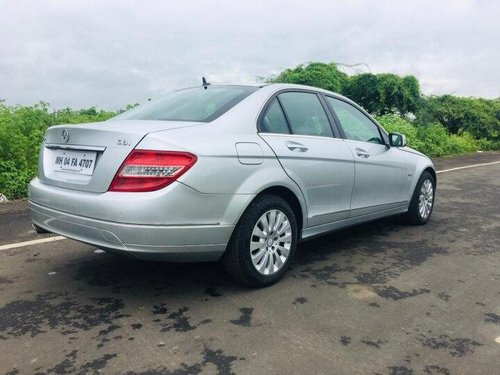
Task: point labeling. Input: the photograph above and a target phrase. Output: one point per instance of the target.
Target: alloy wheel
(425, 199)
(270, 242)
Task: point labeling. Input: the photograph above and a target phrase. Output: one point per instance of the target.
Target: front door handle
(362, 153)
(296, 147)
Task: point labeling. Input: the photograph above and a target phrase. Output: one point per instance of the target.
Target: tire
(251, 240)
(414, 216)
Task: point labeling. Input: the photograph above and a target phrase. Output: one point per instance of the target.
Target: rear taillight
(145, 170)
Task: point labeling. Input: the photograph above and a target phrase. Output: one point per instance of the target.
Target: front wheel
(422, 202)
(263, 243)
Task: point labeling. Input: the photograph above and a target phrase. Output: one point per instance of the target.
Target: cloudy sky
(110, 53)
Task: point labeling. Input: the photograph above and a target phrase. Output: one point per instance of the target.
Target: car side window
(274, 120)
(355, 124)
(306, 114)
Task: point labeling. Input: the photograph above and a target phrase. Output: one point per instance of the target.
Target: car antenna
(205, 84)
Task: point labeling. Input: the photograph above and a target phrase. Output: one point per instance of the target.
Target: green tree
(325, 76)
(364, 89)
(479, 117)
(385, 93)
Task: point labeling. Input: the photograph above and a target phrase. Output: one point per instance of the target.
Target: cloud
(108, 54)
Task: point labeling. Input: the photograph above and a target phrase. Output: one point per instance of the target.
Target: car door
(381, 174)
(296, 125)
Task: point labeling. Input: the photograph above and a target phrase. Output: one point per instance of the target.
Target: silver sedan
(233, 173)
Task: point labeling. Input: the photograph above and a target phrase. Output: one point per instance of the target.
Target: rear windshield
(195, 104)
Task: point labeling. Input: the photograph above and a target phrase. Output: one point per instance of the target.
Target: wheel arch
(237, 257)
(290, 197)
(433, 173)
(421, 165)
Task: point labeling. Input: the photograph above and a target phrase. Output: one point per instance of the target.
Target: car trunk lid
(86, 157)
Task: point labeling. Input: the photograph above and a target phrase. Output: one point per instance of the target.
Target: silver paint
(336, 182)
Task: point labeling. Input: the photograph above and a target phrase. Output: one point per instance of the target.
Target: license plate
(80, 162)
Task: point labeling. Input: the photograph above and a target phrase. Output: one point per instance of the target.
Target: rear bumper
(176, 223)
(184, 243)
(175, 205)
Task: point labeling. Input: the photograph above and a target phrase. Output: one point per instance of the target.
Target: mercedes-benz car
(240, 174)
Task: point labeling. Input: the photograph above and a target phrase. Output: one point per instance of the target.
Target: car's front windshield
(194, 104)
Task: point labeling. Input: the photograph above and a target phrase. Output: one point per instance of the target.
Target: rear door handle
(362, 153)
(296, 147)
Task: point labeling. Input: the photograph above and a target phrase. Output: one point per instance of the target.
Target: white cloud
(108, 54)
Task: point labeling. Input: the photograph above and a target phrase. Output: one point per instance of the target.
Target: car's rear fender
(176, 204)
(220, 169)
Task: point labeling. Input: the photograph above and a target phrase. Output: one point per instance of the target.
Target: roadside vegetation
(435, 125)
(21, 133)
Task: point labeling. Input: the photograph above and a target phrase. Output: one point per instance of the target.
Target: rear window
(195, 104)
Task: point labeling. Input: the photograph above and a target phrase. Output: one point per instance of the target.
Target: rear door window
(305, 114)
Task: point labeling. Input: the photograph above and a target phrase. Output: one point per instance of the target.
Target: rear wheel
(422, 202)
(263, 243)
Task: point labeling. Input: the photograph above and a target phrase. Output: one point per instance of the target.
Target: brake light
(146, 170)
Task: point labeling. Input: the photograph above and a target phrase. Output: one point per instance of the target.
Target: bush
(398, 124)
(479, 117)
(433, 139)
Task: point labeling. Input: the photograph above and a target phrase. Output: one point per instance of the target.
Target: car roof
(290, 86)
(272, 88)
(284, 86)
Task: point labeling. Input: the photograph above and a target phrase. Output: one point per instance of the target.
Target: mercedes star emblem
(65, 135)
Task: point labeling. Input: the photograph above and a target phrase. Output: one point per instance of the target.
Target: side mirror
(397, 140)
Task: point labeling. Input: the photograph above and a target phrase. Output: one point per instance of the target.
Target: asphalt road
(379, 298)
